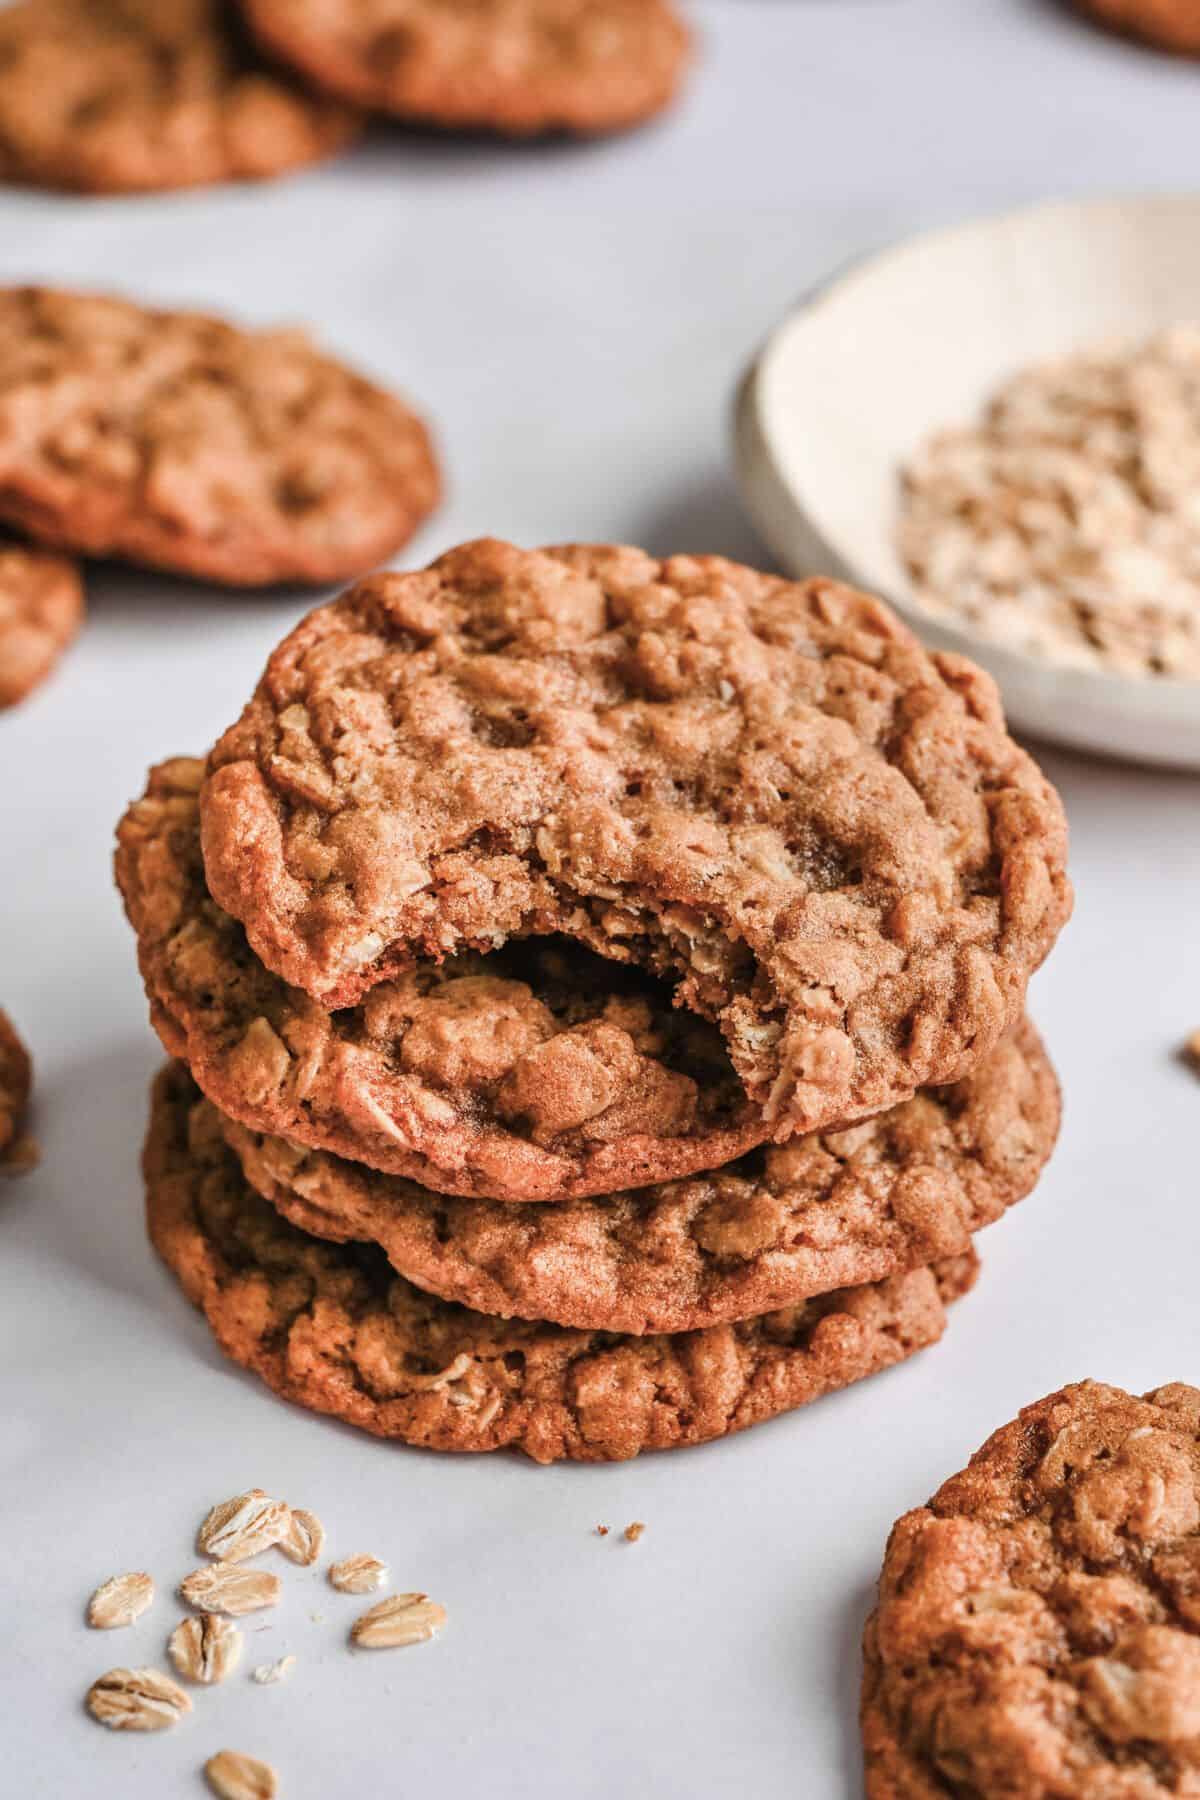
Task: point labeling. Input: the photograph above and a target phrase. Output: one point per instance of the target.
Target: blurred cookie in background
(41, 609)
(519, 67)
(182, 442)
(115, 96)
(1171, 24)
(18, 1151)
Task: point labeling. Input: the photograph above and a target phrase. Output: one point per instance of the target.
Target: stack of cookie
(596, 989)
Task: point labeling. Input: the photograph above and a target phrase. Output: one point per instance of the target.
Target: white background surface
(573, 318)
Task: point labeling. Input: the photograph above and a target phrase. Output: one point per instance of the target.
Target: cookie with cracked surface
(1171, 24)
(521, 67)
(764, 790)
(333, 1328)
(535, 1073)
(189, 444)
(41, 610)
(772, 1230)
(18, 1151)
(1038, 1626)
(120, 96)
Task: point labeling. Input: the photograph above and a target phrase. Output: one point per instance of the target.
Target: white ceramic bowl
(916, 338)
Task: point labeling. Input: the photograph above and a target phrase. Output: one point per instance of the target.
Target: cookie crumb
(602, 1531)
(633, 1532)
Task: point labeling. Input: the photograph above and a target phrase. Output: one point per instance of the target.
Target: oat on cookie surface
(333, 1329)
(765, 790)
(1038, 1626)
(529, 1075)
(189, 444)
(514, 66)
(782, 1224)
(18, 1152)
(41, 610)
(114, 96)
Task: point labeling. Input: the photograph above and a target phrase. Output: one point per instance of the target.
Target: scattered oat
(1191, 1051)
(267, 1674)
(317, 1618)
(119, 1601)
(602, 1531)
(400, 1619)
(357, 1575)
(241, 1527)
(206, 1649)
(236, 1777)
(137, 1700)
(633, 1532)
(233, 1591)
(304, 1538)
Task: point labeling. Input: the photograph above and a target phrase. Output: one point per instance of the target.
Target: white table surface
(573, 319)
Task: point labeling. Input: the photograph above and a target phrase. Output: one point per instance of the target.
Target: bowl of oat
(997, 427)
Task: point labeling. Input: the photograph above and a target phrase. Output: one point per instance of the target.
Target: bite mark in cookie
(764, 790)
(186, 443)
(1038, 1626)
(535, 1073)
(516, 66)
(41, 610)
(781, 1225)
(116, 96)
(334, 1329)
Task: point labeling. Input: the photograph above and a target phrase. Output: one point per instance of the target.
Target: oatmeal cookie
(764, 790)
(515, 66)
(18, 1151)
(535, 1073)
(41, 609)
(823, 1212)
(1172, 24)
(181, 441)
(115, 96)
(1038, 1627)
(336, 1330)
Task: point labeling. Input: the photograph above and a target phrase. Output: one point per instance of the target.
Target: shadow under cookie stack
(595, 989)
